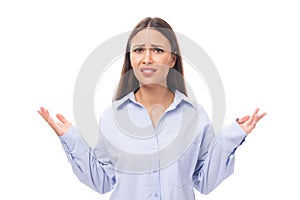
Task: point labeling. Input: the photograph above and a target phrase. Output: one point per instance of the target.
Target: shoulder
(111, 110)
(189, 102)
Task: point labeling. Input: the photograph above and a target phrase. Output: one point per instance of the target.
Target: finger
(262, 115)
(42, 112)
(58, 128)
(253, 117)
(255, 120)
(55, 126)
(62, 118)
(49, 119)
(258, 117)
(256, 111)
(243, 119)
(250, 128)
(47, 115)
(51, 122)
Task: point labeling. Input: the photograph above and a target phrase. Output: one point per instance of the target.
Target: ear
(173, 61)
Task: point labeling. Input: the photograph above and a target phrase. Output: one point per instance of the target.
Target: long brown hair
(175, 80)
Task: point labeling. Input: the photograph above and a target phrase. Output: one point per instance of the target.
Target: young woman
(169, 148)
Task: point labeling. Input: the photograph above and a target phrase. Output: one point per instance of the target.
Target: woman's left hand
(248, 123)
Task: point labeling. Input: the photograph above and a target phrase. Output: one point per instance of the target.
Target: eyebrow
(152, 45)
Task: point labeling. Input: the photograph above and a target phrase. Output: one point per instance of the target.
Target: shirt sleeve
(95, 171)
(216, 156)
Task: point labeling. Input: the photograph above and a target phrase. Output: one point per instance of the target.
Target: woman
(165, 160)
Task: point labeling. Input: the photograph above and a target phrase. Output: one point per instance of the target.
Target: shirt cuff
(69, 136)
(72, 143)
(232, 136)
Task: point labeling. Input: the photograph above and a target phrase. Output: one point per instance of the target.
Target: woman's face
(151, 58)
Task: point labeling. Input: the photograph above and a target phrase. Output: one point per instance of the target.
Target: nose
(147, 56)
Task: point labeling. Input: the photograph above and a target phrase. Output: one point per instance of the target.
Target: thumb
(243, 119)
(62, 118)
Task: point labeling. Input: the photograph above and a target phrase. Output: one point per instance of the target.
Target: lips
(148, 71)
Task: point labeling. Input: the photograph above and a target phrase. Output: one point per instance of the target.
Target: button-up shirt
(139, 161)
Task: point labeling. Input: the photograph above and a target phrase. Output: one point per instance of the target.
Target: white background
(254, 44)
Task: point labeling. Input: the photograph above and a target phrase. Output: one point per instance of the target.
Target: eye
(157, 50)
(138, 50)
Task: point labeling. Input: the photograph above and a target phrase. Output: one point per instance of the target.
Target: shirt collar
(179, 97)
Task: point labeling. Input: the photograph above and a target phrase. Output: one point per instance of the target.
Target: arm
(216, 157)
(94, 171)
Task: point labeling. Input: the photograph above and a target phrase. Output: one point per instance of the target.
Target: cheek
(165, 60)
(165, 72)
(135, 60)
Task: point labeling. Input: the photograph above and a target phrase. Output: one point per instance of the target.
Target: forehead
(150, 36)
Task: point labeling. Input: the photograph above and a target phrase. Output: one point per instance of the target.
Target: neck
(149, 95)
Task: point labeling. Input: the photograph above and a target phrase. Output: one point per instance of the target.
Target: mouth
(148, 71)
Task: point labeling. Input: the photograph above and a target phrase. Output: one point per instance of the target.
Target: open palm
(60, 127)
(248, 122)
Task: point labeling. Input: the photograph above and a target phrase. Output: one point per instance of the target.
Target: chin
(152, 83)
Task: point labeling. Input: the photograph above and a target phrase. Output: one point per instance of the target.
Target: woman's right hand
(60, 127)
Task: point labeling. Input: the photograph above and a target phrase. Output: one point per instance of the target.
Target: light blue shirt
(140, 162)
